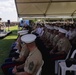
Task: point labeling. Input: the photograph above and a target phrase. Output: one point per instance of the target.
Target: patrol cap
(28, 38)
(62, 30)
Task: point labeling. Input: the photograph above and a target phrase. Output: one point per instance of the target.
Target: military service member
(62, 47)
(33, 61)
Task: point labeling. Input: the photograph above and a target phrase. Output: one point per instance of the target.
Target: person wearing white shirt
(71, 33)
(38, 30)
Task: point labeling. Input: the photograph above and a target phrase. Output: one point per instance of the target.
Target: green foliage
(5, 45)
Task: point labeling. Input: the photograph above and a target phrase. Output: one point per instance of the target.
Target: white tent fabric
(45, 8)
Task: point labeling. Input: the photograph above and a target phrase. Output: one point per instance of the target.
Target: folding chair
(58, 61)
(64, 68)
(40, 69)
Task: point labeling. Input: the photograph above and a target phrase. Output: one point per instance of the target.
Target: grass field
(5, 45)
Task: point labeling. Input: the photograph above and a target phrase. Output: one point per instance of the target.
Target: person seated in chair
(61, 49)
(63, 45)
(33, 61)
(11, 62)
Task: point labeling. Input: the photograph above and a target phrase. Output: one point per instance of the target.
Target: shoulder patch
(31, 65)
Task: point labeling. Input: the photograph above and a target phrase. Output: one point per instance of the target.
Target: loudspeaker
(8, 21)
(22, 21)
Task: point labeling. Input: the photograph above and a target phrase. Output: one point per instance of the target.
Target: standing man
(8, 22)
(33, 61)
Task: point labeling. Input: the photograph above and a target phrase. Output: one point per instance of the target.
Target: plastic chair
(58, 61)
(40, 69)
(64, 68)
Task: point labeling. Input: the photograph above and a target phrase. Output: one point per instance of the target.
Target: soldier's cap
(28, 38)
(62, 30)
(22, 31)
(47, 26)
(51, 27)
(56, 28)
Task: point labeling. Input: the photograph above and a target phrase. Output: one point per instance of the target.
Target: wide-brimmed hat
(28, 38)
(62, 30)
(22, 31)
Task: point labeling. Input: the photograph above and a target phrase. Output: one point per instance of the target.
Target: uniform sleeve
(65, 47)
(58, 43)
(31, 66)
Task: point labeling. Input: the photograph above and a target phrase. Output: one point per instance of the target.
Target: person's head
(71, 28)
(51, 29)
(61, 35)
(56, 32)
(48, 29)
(62, 32)
(29, 40)
(38, 25)
(30, 45)
(23, 32)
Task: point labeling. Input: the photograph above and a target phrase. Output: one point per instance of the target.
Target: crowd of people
(43, 42)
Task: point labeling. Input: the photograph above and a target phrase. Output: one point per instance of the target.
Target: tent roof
(45, 8)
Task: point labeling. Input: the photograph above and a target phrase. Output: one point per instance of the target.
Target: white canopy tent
(45, 8)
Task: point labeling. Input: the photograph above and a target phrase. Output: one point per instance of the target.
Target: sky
(8, 10)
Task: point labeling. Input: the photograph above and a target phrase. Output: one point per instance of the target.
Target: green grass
(6, 43)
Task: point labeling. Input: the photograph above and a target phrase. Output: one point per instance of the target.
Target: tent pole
(18, 23)
(64, 20)
(72, 18)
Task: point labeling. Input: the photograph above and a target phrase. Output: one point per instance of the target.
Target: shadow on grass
(14, 31)
(5, 46)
